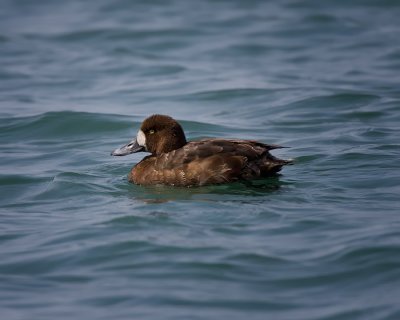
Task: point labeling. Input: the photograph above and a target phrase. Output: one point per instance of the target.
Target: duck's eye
(151, 131)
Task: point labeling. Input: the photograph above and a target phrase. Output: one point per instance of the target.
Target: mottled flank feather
(211, 161)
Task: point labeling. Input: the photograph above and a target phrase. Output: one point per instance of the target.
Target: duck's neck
(171, 143)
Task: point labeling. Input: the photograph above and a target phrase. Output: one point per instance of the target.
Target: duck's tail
(271, 165)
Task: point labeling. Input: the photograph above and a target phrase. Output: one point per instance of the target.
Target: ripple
(62, 124)
(318, 242)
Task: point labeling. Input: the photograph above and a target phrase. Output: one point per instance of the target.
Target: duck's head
(158, 134)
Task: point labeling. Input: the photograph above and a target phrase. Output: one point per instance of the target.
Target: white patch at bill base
(141, 138)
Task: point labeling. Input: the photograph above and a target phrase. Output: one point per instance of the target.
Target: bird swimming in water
(174, 161)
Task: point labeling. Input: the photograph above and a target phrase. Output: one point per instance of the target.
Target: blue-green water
(321, 241)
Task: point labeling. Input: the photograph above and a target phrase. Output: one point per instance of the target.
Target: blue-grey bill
(129, 148)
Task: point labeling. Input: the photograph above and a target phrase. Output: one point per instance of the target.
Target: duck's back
(210, 161)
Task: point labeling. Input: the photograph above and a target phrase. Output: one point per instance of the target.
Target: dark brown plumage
(175, 162)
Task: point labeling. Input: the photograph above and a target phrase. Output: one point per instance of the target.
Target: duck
(173, 161)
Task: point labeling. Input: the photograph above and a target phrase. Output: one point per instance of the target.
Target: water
(321, 241)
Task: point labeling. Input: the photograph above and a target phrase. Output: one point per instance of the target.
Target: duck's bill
(131, 147)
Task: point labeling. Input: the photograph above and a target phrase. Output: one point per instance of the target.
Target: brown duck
(176, 162)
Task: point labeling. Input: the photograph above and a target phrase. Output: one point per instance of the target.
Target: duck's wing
(241, 142)
(215, 161)
(203, 149)
(211, 161)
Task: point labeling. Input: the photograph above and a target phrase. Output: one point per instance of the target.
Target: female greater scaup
(176, 162)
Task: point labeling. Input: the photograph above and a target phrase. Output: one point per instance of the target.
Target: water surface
(320, 241)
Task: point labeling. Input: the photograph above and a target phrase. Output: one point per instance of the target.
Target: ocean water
(320, 241)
